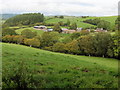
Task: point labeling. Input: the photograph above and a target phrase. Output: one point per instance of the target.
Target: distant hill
(25, 19)
(7, 16)
(79, 20)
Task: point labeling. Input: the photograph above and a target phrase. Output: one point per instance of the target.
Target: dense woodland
(25, 19)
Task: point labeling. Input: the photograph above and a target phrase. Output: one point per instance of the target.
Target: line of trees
(67, 24)
(59, 17)
(100, 44)
(99, 23)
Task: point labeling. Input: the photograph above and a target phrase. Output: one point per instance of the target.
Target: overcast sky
(61, 7)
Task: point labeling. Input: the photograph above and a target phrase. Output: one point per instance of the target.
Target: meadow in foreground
(25, 67)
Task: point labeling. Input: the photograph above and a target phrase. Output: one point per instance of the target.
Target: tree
(110, 50)
(73, 26)
(32, 42)
(8, 31)
(56, 16)
(18, 39)
(61, 17)
(59, 47)
(48, 39)
(101, 42)
(25, 19)
(99, 23)
(104, 24)
(66, 39)
(84, 32)
(116, 48)
(72, 47)
(28, 33)
(86, 45)
(117, 23)
(75, 35)
(8, 38)
(57, 28)
(61, 23)
(68, 22)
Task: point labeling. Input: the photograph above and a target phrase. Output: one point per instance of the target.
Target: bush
(19, 76)
(8, 31)
(27, 33)
(72, 47)
(84, 32)
(61, 17)
(59, 47)
(75, 35)
(48, 48)
(48, 39)
(32, 42)
(18, 39)
(25, 19)
(8, 38)
(57, 28)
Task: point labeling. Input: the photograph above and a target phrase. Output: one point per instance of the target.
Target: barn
(40, 27)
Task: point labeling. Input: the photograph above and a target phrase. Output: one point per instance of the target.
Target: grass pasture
(39, 32)
(44, 69)
(79, 20)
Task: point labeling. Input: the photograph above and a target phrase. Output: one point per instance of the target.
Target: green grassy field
(79, 20)
(39, 32)
(110, 19)
(56, 70)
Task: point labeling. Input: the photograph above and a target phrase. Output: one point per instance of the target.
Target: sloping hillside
(56, 70)
(79, 20)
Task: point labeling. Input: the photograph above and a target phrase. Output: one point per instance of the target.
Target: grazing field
(110, 19)
(39, 32)
(79, 20)
(29, 67)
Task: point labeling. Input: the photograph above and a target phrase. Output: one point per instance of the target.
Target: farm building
(64, 29)
(100, 30)
(79, 29)
(40, 27)
(88, 30)
(49, 29)
(68, 31)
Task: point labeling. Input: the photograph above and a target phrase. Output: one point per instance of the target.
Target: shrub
(72, 47)
(8, 31)
(8, 38)
(59, 47)
(28, 33)
(48, 39)
(18, 76)
(32, 42)
(18, 39)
